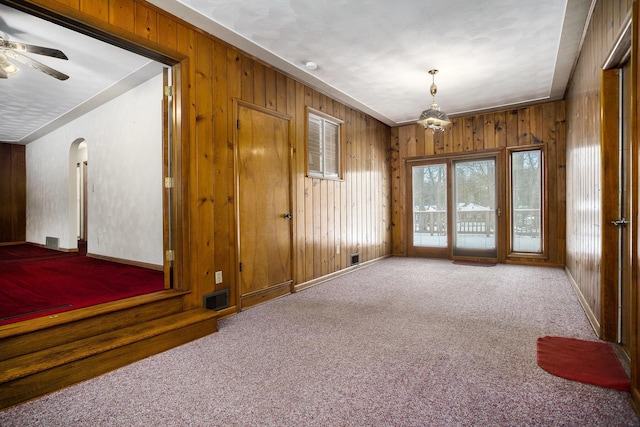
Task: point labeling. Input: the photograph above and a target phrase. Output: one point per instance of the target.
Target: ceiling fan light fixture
(433, 118)
(8, 67)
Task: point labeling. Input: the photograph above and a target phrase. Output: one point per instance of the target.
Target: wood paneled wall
(13, 193)
(539, 125)
(332, 219)
(584, 160)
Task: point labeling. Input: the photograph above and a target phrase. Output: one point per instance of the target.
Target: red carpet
(20, 253)
(41, 287)
(590, 362)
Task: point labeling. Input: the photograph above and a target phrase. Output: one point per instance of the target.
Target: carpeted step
(34, 374)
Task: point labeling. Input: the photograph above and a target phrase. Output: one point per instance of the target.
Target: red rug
(590, 362)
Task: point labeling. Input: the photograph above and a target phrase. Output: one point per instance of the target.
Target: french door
(454, 208)
(474, 208)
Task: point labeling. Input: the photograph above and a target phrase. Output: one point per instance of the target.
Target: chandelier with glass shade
(433, 118)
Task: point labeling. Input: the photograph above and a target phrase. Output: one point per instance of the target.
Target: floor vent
(52, 243)
(216, 300)
(355, 258)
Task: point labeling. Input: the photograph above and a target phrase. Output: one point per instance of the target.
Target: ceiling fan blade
(39, 50)
(35, 64)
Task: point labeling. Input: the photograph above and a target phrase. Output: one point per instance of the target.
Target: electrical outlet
(218, 277)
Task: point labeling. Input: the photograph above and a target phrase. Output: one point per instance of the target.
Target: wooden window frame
(543, 208)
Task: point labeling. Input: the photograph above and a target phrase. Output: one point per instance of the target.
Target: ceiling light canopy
(433, 118)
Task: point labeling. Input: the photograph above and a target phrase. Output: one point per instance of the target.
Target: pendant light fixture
(433, 118)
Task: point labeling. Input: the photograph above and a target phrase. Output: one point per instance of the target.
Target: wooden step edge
(27, 326)
(42, 360)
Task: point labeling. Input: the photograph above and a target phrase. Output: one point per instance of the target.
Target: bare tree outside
(430, 205)
(475, 204)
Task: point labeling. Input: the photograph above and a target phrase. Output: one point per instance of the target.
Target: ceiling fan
(12, 50)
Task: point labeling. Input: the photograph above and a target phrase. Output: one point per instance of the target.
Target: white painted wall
(124, 151)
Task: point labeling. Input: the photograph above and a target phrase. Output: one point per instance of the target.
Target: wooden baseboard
(127, 262)
(593, 320)
(12, 243)
(310, 283)
(269, 294)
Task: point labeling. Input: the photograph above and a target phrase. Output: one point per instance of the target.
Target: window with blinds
(323, 147)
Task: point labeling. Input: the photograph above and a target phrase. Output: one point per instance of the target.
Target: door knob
(287, 216)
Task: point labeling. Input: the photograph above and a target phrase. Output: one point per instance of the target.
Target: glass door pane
(475, 204)
(429, 189)
(526, 201)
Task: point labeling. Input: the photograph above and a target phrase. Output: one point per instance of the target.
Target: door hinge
(168, 91)
(237, 124)
(169, 255)
(169, 182)
(240, 267)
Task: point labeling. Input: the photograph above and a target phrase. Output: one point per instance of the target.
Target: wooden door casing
(264, 202)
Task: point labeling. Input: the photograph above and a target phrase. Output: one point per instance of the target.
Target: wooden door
(616, 206)
(264, 203)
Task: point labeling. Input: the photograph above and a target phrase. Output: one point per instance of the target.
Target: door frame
(610, 172)
(274, 292)
(470, 253)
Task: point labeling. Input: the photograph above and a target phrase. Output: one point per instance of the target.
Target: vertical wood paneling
(499, 127)
(478, 133)
(301, 191)
(96, 9)
(467, 136)
(146, 22)
(550, 122)
(524, 125)
(13, 193)
(122, 13)
(259, 85)
(222, 181)
(204, 162)
(489, 132)
(167, 32)
(583, 156)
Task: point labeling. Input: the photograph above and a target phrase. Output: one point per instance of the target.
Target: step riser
(19, 345)
(41, 383)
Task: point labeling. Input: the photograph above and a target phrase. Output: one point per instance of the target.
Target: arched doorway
(78, 161)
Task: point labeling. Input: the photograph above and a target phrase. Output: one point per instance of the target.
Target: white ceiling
(373, 55)
(33, 103)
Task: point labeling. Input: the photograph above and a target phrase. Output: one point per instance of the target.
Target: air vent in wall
(53, 243)
(355, 258)
(216, 300)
